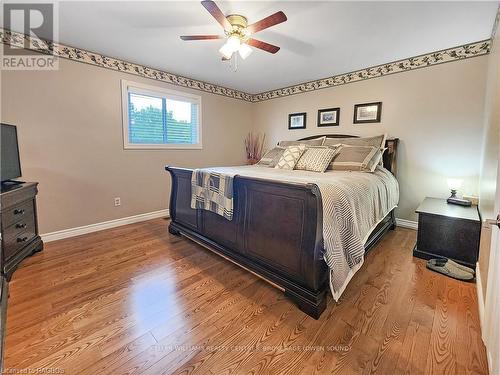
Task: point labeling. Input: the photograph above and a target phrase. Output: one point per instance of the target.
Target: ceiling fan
(238, 33)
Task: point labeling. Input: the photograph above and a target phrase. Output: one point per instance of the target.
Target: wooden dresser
(449, 231)
(19, 239)
(4, 295)
(19, 226)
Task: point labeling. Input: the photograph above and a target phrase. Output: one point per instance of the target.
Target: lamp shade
(245, 51)
(233, 43)
(226, 51)
(455, 183)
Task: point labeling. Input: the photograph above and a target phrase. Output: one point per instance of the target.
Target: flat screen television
(10, 166)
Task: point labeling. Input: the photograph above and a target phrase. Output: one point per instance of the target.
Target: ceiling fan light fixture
(238, 32)
(234, 43)
(226, 51)
(244, 51)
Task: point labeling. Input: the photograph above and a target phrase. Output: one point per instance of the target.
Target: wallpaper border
(92, 58)
(462, 52)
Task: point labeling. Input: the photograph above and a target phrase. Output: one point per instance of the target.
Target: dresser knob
(18, 211)
(24, 239)
(19, 226)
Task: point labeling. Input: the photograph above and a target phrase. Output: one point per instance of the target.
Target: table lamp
(454, 184)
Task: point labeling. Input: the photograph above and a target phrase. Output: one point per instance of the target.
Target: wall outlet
(118, 202)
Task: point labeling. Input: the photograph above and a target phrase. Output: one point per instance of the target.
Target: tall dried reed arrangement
(254, 147)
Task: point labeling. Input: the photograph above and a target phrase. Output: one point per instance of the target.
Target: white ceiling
(318, 40)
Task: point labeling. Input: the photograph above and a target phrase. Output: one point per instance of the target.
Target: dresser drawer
(17, 213)
(18, 235)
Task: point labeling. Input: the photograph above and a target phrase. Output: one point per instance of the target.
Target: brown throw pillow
(356, 158)
(377, 141)
(271, 157)
(310, 142)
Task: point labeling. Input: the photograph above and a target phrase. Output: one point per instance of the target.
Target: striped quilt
(354, 203)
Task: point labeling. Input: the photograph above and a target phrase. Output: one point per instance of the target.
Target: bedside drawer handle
(18, 211)
(24, 239)
(20, 226)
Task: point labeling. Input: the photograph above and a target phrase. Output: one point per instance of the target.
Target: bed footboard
(276, 233)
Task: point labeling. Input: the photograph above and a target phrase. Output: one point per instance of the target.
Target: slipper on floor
(463, 268)
(447, 268)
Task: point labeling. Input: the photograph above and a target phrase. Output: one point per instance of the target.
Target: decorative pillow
(310, 142)
(271, 157)
(377, 141)
(381, 162)
(290, 157)
(316, 159)
(356, 158)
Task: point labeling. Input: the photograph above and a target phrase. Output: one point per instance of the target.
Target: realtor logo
(34, 51)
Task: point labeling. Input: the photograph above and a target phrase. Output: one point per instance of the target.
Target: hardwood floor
(137, 300)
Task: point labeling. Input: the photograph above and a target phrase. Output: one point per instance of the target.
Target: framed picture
(297, 120)
(329, 117)
(367, 112)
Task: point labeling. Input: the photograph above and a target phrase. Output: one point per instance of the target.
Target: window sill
(162, 147)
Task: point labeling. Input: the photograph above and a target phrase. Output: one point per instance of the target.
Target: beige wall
(70, 132)
(490, 155)
(437, 113)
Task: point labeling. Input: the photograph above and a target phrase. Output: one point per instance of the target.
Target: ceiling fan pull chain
(235, 57)
(233, 62)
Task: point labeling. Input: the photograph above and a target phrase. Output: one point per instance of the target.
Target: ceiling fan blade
(216, 13)
(269, 21)
(263, 45)
(201, 37)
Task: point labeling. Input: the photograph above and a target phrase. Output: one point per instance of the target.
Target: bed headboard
(390, 155)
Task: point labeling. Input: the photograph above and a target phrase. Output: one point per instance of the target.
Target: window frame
(156, 91)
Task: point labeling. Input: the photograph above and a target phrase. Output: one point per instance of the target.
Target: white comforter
(354, 203)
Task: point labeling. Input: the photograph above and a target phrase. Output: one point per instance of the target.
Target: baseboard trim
(78, 231)
(72, 232)
(480, 299)
(407, 224)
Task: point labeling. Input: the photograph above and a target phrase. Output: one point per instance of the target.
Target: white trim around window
(159, 92)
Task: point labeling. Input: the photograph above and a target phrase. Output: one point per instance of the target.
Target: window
(159, 118)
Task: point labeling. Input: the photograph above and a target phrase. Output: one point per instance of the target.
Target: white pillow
(290, 157)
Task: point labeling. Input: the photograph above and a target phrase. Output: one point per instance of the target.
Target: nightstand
(447, 230)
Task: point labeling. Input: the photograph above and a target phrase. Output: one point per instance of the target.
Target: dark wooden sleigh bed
(276, 231)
